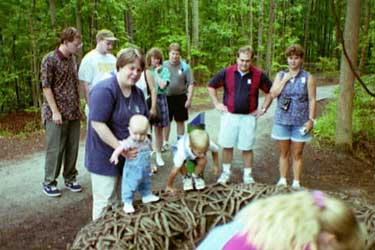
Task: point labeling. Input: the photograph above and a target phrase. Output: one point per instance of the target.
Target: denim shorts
(289, 132)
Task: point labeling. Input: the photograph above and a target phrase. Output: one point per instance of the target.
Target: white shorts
(238, 131)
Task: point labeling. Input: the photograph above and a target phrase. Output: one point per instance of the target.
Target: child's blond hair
(199, 140)
(294, 222)
(138, 122)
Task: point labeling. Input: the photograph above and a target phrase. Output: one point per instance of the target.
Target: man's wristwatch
(264, 110)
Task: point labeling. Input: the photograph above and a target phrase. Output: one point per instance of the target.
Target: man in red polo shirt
(61, 112)
(239, 109)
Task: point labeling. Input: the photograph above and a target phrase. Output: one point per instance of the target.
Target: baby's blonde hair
(138, 122)
(199, 140)
(293, 221)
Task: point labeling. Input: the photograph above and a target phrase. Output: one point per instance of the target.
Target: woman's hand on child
(130, 153)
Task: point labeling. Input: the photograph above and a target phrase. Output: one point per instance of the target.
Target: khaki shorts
(237, 131)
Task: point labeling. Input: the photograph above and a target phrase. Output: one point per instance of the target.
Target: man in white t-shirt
(98, 64)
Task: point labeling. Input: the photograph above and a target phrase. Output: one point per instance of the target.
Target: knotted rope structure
(181, 221)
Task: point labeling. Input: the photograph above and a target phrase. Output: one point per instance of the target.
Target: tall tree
(195, 15)
(128, 21)
(35, 91)
(363, 55)
(260, 33)
(270, 37)
(306, 26)
(344, 132)
(251, 22)
(52, 12)
(187, 31)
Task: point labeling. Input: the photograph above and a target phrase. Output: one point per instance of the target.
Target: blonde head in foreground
(302, 221)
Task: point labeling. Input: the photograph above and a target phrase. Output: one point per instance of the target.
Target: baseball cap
(105, 34)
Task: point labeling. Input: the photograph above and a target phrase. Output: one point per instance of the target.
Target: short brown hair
(154, 52)
(295, 50)
(69, 34)
(129, 55)
(245, 49)
(175, 47)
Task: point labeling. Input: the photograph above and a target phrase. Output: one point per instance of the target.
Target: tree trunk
(35, 90)
(93, 28)
(260, 34)
(363, 55)
(195, 59)
(344, 133)
(128, 22)
(187, 32)
(270, 37)
(52, 12)
(251, 23)
(78, 15)
(78, 24)
(306, 27)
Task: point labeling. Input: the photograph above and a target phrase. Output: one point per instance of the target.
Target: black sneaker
(51, 191)
(73, 186)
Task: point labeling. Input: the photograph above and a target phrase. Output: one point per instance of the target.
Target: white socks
(247, 171)
(296, 184)
(226, 167)
(282, 182)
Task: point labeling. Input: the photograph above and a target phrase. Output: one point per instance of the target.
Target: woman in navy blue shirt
(112, 102)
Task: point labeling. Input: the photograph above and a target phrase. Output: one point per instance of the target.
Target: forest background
(210, 32)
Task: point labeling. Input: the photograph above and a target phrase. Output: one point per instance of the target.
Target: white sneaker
(150, 198)
(187, 183)
(248, 179)
(199, 183)
(224, 178)
(282, 182)
(128, 208)
(165, 146)
(296, 185)
(159, 160)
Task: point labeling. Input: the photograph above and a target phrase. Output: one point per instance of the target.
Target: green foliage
(326, 64)
(363, 119)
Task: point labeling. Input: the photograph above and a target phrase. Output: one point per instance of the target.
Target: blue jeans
(135, 176)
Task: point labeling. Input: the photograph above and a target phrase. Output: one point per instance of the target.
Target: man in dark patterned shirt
(61, 112)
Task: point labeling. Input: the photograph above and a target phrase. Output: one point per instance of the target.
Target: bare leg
(158, 138)
(297, 150)
(284, 147)
(167, 131)
(247, 156)
(201, 164)
(180, 128)
(227, 155)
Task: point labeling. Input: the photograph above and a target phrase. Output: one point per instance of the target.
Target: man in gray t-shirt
(180, 91)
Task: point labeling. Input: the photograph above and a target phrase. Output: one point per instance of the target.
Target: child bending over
(192, 146)
(136, 174)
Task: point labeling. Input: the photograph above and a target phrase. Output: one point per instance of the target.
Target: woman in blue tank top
(295, 90)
